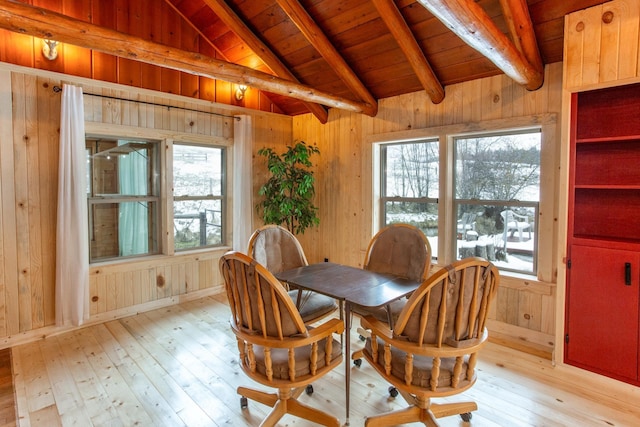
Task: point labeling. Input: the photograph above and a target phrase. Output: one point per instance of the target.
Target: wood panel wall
(525, 309)
(28, 173)
(153, 20)
(602, 45)
(29, 140)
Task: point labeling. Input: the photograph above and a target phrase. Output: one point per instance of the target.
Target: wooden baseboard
(517, 344)
(53, 330)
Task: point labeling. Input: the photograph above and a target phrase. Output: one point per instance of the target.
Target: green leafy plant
(289, 191)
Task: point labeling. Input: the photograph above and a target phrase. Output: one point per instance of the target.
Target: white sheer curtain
(72, 246)
(242, 182)
(133, 227)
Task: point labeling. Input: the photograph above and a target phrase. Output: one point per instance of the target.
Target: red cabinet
(603, 272)
(602, 321)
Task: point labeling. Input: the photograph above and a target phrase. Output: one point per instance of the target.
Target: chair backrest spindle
(277, 249)
(276, 349)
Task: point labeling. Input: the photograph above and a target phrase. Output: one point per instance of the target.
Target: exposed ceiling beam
(322, 44)
(403, 35)
(233, 21)
(25, 19)
(471, 23)
(516, 14)
(196, 29)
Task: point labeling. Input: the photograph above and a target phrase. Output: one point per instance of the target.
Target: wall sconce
(50, 49)
(240, 90)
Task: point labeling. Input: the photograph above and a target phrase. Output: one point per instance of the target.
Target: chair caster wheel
(309, 390)
(466, 417)
(362, 337)
(393, 392)
(357, 362)
(244, 403)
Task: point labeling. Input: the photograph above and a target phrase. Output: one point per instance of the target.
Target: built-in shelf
(603, 243)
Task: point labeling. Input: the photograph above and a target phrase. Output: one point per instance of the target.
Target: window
(410, 186)
(123, 198)
(198, 201)
(497, 193)
(126, 211)
(491, 195)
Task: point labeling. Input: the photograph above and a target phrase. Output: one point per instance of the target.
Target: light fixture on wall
(50, 49)
(240, 90)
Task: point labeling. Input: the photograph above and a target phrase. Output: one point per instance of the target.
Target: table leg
(341, 308)
(347, 361)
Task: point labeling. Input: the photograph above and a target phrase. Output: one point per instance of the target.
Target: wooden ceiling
(345, 54)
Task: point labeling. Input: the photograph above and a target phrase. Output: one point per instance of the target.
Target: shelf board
(608, 186)
(606, 139)
(605, 242)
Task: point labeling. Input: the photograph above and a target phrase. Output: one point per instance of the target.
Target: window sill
(126, 264)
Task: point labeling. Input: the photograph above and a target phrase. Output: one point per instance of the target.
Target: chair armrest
(313, 335)
(327, 328)
(449, 349)
(377, 327)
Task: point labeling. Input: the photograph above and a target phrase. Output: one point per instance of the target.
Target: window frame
(166, 140)
(222, 197)
(548, 203)
(456, 202)
(96, 199)
(384, 199)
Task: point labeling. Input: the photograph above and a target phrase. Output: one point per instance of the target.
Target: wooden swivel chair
(276, 349)
(401, 250)
(432, 350)
(278, 250)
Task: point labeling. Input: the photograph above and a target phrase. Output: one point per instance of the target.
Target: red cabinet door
(602, 311)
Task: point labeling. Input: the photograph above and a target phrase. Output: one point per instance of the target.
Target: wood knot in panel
(160, 282)
(95, 298)
(607, 17)
(580, 26)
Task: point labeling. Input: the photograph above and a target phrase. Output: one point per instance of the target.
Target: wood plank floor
(177, 366)
(7, 396)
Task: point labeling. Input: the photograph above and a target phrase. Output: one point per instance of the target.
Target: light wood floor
(7, 397)
(177, 366)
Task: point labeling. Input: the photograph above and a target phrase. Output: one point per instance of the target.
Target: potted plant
(289, 191)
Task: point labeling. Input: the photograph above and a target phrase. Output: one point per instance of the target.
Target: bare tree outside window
(497, 186)
(410, 185)
(498, 168)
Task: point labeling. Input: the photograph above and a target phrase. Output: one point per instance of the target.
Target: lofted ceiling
(348, 53)
(347, 49)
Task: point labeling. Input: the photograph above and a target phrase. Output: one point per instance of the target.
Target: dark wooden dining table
(349, 285)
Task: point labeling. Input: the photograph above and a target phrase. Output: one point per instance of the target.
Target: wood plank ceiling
(307, 55)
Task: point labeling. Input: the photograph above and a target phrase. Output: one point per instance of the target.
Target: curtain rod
(59, 89)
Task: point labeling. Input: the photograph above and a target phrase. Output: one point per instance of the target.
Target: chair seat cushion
(280, 359)
(422, 368)
(380, 313)
(313, 306)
